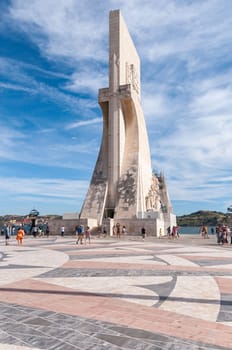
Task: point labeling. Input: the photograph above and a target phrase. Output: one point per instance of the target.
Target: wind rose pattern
(110, 294)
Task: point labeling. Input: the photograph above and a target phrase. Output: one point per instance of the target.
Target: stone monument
(123, 187)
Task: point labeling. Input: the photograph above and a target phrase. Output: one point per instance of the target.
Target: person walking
(173, 231)
(143, 233)
(20, 235)
(79, 233)
(87, 234)
(217, 230)
(230, 235)
(62, 231)
(118, 230)
(104, 232)
(204, 232)
(47, 231)
(124, 230)
(7, 236)
(39, 231)
(35, 231)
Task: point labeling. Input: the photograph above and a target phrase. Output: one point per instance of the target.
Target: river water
(193, 229)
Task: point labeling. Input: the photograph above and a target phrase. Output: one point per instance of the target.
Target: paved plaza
(113, 294)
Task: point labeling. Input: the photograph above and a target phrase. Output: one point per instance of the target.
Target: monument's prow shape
(122, 184)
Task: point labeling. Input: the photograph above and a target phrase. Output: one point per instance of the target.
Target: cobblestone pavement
(156, 294)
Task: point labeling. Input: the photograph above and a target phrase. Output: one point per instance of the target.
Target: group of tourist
(223, 233)
(40, 231)
(117, 230)
(19, 236)
(204, 232)
(173, 232)
(82, 234)
(8, 231)
(19, 232)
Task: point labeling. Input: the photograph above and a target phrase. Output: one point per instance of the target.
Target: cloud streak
(82, 123)
(185, 50)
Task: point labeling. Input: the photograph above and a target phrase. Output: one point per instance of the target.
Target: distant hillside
(199, 218)
(205, 217)
(19, 218)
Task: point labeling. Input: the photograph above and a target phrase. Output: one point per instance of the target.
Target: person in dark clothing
(47, 231)
(143, 233)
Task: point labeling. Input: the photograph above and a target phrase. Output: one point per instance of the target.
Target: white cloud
(214, 101)
(63, 28)
(185, 49)
(81, 123)
(46, 151)
(48, 195)
(164, 28)
(8, 86)
(87, 81)
(155, 106)
(55, 188)
(9, 137)
(21, 80)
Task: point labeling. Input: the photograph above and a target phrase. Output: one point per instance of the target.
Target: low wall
(153, 227)
(133, 226)
(70, 225)
(56, 224)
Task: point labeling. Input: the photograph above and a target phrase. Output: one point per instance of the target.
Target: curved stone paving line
(197, 294)
(22, 262)
(37, 329)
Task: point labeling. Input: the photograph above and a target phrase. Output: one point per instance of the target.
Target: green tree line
(205, 217)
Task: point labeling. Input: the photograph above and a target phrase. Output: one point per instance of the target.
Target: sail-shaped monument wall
(123, 188)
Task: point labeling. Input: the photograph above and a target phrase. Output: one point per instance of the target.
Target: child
(87, 234)
(20, 235)
(124, 230)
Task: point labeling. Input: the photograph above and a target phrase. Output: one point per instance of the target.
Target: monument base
(154, 226)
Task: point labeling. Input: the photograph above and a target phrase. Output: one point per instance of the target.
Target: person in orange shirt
(20, 235)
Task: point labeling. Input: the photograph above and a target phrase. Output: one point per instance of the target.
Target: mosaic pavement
(155, 294)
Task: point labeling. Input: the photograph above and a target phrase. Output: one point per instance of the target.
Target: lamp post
(33, 215)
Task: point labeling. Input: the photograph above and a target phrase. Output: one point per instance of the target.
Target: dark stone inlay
(3, 255)
(162, 339)
(225, 313)
(13, 266)
(162, 289)
(93, 272)
(211, 262)
(57, 331)
(38, 321)
(161, 298)
(110, 255)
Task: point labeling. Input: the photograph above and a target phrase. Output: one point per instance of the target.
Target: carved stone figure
(153, 200)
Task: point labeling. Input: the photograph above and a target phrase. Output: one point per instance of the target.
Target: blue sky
(53, 60)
